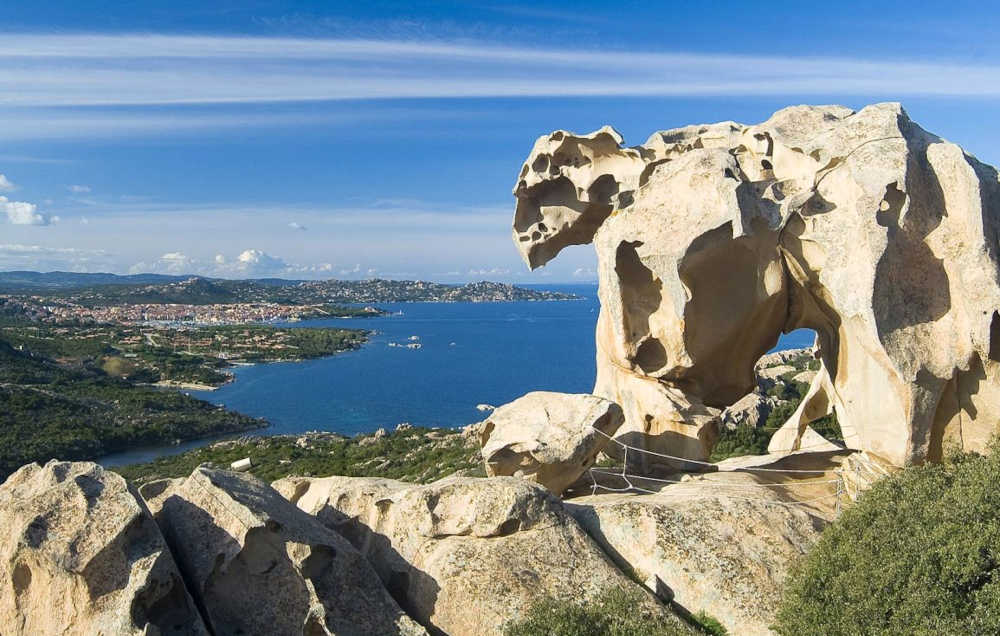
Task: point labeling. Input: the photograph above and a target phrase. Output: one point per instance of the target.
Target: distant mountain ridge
(64, 280)
(113, 289)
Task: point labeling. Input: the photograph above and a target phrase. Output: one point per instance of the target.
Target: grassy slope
(417, 455)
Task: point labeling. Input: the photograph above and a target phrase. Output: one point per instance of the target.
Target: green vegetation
(188, 354)
(415, 454)
(617, 612)
(76, 411)
(709, 624)
(743, 440)
(343, 311)
(747, 440)
(919, 554)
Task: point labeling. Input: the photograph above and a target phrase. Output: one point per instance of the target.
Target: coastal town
(203, 301)
(55, 310)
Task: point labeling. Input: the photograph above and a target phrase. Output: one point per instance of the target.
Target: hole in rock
(783, 378)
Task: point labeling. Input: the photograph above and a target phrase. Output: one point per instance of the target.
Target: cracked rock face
(712, 240)
(724, 555)
(258, 565)
(80, 555)
(549, 438)
(463, 555)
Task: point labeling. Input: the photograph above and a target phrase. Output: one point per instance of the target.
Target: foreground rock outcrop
(79, 554)
(721, 544)
(549, 438)
(464, 556)
(259, 565)
(712, 240)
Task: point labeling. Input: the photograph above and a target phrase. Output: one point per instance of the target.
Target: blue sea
(470, 354)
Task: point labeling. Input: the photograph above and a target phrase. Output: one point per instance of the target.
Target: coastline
(189, 386)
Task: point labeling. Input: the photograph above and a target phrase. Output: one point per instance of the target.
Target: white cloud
(585, 273)
(297, 226)
(65, 70)
(169, 263)
(6, 185)
(23, 213)
(257, 263)
(78, 189)
(44, 258)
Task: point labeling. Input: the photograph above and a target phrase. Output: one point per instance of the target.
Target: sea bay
(469, 354)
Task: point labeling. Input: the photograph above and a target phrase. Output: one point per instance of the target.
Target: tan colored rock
(80, 555)
(549, 438)
(859, 471)
(771, 376)
(792, 357)
(463, 555)
(774, 373)
(259, 565)
(805, 377)
(751, 410)
(719, 549)
(712, 240)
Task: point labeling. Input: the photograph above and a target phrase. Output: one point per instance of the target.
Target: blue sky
(327, 139)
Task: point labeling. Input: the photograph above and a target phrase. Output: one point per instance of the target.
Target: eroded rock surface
(463, 555)
(750, 410)
(549, 438)
(258, 565)
(712, 240)
(718, 544)
(79, 554)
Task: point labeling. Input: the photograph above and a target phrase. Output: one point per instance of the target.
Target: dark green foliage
(78, 412)
(744, 440)
(617, 612)
(417, 454)
(917, 554)
(192, 355)
(828, 427)
(709, 624)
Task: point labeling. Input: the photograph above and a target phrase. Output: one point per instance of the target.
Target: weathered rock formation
(722, 549)
(750, 410)
(549, 438)
(712, 240)
(79, 554)
(259, 565)
(464, 556)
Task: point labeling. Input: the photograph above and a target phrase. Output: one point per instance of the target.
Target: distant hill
(20, 280)
(110, 289)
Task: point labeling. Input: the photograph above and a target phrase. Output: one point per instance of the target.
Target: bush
(917, 554)
(709, 624)
(618, 612)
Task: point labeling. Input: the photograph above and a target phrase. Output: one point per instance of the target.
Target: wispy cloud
(78, 189)
(75, 70)
(6, 185)
(45, 258)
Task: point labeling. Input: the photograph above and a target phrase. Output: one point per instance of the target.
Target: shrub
(709, 624)
(618, 612)
(917, 554)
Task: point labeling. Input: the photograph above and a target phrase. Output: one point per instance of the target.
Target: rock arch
(712, 240)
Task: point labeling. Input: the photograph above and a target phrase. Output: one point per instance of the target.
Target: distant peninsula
(97, 290)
